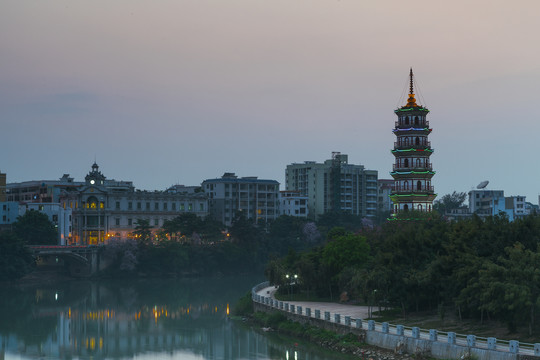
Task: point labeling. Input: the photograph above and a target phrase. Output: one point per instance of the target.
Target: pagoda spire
(411, 101)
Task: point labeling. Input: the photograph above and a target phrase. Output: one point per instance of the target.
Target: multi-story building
(385, 188)
(412, 170)
(293, 203)
(109, 209)
(334, 185)
(2, 187)
(486, 202)
(41, 191)
(61, 217)
(256, 198)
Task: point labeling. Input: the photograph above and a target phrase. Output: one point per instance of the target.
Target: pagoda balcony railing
(401, 189)
(424, 167)
(421, 144)
(424, 124)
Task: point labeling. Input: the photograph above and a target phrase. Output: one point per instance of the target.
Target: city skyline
(184, 91)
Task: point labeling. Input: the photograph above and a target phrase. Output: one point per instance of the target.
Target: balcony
(415, 189)
(420, 125)
(426, 167)
(421, 144)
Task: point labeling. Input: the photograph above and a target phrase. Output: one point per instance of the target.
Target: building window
(139, 206)
(130, 205)
(102, 205)
(156, 206)
(190, 207)
(118, 205)
(174, 206)
(182, 207)
(117, 220)
(147, 206)
(156, 222)
(130, 222)
(165, 206)
(201, 207)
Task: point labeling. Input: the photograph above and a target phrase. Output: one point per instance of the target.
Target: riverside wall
(401, 339)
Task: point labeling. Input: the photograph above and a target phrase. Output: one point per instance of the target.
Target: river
(137, 319)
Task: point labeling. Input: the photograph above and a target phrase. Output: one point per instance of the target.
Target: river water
(137, 319)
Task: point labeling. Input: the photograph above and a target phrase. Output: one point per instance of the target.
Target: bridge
(82, 260)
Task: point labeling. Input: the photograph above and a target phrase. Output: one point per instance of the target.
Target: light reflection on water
(130, 319)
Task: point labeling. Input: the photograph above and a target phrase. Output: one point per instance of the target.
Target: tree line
(483, 268)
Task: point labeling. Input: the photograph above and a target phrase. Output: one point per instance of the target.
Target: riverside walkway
(354, 311)
(439, 344)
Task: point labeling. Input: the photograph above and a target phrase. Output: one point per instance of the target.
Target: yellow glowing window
(93, 205)
(259, 212)
(102, 205)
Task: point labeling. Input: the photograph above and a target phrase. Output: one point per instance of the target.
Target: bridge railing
(467, 341)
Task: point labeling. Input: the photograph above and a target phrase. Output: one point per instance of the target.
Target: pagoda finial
(411, 86)
(411, 102)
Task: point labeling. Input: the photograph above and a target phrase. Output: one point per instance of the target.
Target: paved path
(354, 311)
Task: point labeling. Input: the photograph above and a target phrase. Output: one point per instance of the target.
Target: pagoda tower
(412, 171)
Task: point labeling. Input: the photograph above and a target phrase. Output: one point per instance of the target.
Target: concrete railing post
(471, 340)
(326, 316)
(317, 314)
(399, 330)
(433, 334)
(371, 325)
(299, 310)
(513, 346)
(337, 318)
(358, 323)
(415, 332)
(452, 338)
(308, 312)
(385, 328)
(492, 343)
(537, 349)
(348, 320)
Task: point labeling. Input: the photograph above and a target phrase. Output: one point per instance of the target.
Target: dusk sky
(175, 92)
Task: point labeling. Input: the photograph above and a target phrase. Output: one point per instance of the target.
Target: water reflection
(133, 319)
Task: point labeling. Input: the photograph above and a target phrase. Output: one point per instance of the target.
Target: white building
(292, 203)
(256, 198)
(61, 217)
(109, 209)
(334, 185)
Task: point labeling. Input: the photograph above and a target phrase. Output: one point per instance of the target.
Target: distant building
(41, 191)
(61, 217)
(109, 209)
(2, 187)
(229, 195)
(293, 203)
(9, 210)
(334, 185)
(384, 189)
(486, 202)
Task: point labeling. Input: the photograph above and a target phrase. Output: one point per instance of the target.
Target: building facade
(384, 189)
(412, 170)
(293, 203)
(229, 195)
(334, 185)
(2, 187)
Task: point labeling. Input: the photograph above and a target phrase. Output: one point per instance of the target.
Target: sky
(178, 91)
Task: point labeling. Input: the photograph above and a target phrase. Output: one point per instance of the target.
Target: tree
(449, 202)
(35, 228)
(15, 258)
(143, 231)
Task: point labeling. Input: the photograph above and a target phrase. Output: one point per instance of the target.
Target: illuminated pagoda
(412, 171)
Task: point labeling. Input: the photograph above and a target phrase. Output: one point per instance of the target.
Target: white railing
(467, 341)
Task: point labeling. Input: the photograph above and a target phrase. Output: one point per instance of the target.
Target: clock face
(92, 181)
